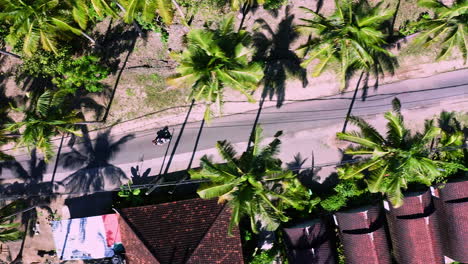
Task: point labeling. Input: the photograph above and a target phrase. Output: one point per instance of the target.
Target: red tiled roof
(414, 231)
(189, 231)
(362, 233)
(310, 242)
(452, 212)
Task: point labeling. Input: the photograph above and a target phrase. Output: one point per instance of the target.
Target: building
(452, 210)
(187, 231)
(414, 230)
(310, 242)
(363, 235)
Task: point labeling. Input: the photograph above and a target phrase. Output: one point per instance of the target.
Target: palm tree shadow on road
(93, 160)
(273, 48)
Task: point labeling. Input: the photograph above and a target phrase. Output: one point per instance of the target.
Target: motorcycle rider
(162, 136)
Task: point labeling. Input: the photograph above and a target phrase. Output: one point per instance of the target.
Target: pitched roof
(310, 242)
(452, 212)
(414, 230)
(362, 233)
(189, 231)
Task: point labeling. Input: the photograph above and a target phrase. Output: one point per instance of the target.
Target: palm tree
(8, 232)
(38, 21)
(4, 140)
(8, 229)
(450, 145)
(82, 9)
(352, 39)
(391, 163)
(449, 27)
(97, 171)
(148, 10)
(238, 4)
(46, 117)
(215, 59)
(253, 184)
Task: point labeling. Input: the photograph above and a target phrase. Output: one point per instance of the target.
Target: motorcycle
(161, 141)
(163, 136)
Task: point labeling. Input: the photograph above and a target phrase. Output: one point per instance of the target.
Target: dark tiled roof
(453, 220)
(310, 242)
(454, 190)
(189, 231)
(362, 233)
(414, 231)
(133, 244)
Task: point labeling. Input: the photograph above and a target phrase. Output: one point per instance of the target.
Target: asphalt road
(292, 117)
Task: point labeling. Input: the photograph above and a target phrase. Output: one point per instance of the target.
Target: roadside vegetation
(64, 63)
(381, 168)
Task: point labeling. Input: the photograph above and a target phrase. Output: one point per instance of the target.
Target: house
(310, 242)
(363, 235)
(414, 230)
(186, 231)
(452, 210)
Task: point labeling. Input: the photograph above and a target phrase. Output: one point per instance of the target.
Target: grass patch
(129, 92)
(462, 117)
(157, 96)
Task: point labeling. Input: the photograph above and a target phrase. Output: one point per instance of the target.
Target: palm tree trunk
(245, 9)
(4, 52)
(135, 24)
(88, 37)
(181, 13)
(257, 117)
(196, 144)
(352, 103)
(119, 75)
(392, 26)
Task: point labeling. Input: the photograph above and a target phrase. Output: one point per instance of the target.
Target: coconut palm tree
(38, 21)
(448, 28)
(214, 60)
(450, 146)
(352, 39)
(82, 11)
(95, 170)
(9, 232)
(45, 118)
(390, 163)
(148, 10)
(4, 140)
(253, 184)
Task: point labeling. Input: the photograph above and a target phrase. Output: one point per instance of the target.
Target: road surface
(291, 118)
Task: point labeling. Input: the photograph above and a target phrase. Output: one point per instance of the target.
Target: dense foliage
(393, 162)
(45, 118)
(253, 185)
(214, 60)
(352, 38)
(84, 72)
(448, 28)
(34, 22)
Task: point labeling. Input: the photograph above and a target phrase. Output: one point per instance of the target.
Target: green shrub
(66, 73)
(346, 193)
(43, 64)
(265, 257)
(274, 4)
(83, 72)
(155, 26)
